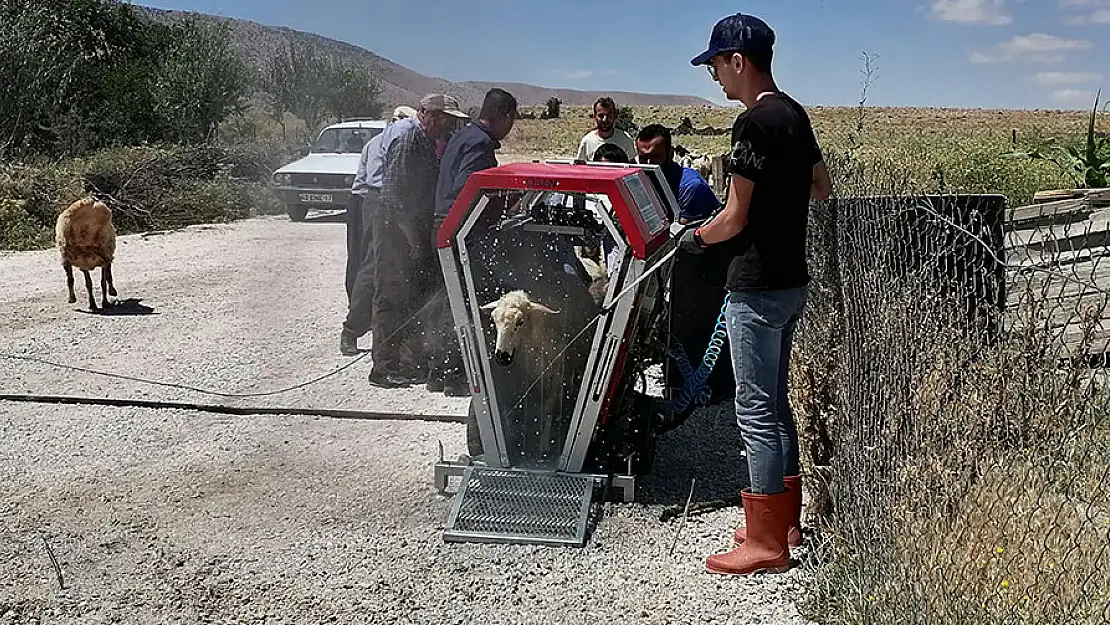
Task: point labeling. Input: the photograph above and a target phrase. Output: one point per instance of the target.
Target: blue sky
(952, 53)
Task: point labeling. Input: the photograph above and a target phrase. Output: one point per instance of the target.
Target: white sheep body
(86, 238)
(530, 339)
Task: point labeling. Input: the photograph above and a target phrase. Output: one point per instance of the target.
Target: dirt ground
(176, 516)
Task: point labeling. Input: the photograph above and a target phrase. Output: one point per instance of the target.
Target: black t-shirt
(774, 146)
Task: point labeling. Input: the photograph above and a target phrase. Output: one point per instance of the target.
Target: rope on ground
(224, 394)
(359, 415)
(184, 387)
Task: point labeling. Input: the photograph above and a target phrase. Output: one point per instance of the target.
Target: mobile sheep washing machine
(559, 276)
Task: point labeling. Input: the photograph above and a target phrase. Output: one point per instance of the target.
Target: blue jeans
(760, 330)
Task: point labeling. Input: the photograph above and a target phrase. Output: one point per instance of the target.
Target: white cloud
(1084, 4)
(1074, 98)
(1035, 47)
(578, 74)
(1066, 78)
(1080, 12)
(990, 12)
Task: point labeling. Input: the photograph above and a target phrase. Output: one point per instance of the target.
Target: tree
(78, 75)
(298, 79)
(30, 76)
(314, 86)
(60, 58)
(553, 106)
(201, 82)
(352, 91)
(281, 83)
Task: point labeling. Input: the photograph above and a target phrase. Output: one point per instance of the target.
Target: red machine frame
(646, 224)
(566, 178)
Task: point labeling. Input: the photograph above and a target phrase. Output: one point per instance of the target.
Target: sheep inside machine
(563, 280)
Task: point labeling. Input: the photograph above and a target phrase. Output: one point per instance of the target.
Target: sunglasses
(711, 68)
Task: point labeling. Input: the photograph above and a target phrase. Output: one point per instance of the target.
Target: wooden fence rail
(1058, 268)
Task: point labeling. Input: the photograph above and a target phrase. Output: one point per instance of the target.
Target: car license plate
(316, 198)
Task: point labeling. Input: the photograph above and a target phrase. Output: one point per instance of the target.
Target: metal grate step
(520, 507)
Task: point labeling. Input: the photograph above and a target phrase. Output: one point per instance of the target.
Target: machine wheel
(296, 212)
(473, 434)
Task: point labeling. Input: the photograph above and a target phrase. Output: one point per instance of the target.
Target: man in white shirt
(606, 131)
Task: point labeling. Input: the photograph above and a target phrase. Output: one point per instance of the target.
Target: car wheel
(296, 212)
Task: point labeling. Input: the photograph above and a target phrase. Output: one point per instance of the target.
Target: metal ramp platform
(521, 507)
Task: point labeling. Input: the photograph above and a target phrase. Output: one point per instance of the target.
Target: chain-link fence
(956, 418)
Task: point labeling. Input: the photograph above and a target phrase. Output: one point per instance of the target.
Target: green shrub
(1085, 162)
(263, 199)
(219, 200)
(553, 109)
(19, 230)
(626, 120)
(148, 188)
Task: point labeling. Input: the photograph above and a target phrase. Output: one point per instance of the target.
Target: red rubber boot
(794, 538)
(768, 519)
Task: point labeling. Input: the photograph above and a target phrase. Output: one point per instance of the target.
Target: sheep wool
(86, 239)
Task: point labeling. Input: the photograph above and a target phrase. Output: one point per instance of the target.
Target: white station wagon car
(322, 179)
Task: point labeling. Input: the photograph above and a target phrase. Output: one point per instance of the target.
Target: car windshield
(344, 140)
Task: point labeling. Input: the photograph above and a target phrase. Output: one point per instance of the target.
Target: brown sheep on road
(86, 239)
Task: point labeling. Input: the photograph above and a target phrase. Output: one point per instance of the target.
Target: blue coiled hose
(695, 387)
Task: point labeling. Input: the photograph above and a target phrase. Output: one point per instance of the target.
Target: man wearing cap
(775, 168)
(364, 199)
(403, 257)
(469, 150)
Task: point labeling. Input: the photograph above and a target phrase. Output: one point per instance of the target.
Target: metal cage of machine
(560, 422)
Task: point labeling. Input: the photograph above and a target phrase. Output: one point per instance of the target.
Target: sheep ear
(490, 306)
(542, 308)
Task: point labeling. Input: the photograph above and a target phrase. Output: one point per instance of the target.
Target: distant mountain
(401, 85)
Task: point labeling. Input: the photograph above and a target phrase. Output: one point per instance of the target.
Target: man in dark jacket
(469, 150)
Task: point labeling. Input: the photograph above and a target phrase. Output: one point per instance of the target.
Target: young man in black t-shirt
(775, 167)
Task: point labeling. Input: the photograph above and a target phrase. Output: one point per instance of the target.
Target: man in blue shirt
(365, 193)
(358, 235)
(469, 150)
(695, 197)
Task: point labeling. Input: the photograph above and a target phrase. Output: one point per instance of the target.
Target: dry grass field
(935, 149)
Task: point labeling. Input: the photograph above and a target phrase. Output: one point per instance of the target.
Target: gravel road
(174, 516)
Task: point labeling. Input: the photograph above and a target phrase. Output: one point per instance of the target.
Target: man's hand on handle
(691, 242)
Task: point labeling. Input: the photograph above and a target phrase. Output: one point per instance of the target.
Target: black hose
(233, 410)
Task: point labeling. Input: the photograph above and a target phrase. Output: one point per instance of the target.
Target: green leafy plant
(1087, 165)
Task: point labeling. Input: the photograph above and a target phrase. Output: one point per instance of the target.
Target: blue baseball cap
(737, 33)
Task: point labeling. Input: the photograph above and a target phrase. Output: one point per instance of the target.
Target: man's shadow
(708, 448)
(131, 307)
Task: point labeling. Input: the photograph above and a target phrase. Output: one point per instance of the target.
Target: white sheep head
(515, 317)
